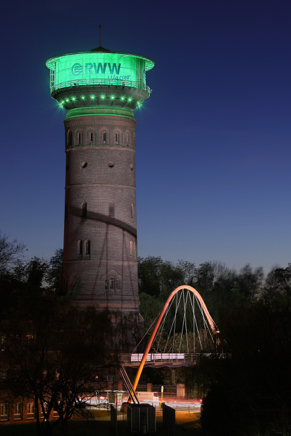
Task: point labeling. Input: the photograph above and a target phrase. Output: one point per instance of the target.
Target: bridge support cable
(161, 327)
(195, 324)
(210, 325)
(205, 323)
(144, 335)
(173, 326)
(127, 383)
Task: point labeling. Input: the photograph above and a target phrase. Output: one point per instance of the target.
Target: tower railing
(105, 82)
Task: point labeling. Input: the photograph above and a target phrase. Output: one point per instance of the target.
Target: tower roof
(101, 49)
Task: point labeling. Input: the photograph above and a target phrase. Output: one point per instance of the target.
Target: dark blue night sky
(213, 140)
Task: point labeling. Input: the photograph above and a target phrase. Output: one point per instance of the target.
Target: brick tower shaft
(100, 244)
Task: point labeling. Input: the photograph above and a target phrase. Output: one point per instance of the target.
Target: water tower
(100, 90)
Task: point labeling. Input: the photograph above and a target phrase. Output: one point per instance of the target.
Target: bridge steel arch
(205, 310)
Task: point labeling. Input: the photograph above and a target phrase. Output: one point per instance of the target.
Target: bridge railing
(160, 357)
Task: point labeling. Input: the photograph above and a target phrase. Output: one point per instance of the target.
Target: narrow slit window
(88, 247)
(106, 285)
(111, 282)
(30, 410)
(116, 138)
(111, 209)
(79, 138)
(84, 210)
(104, 137)
(17, 411)
(4, 411)
(130, 248)
(91, 137)
(79, 247)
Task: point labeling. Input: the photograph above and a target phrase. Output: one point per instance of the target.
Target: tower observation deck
(100, 90)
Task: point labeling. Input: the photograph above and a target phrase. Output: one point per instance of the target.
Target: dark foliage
(253, 382)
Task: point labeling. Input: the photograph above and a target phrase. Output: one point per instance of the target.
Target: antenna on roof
(99, 35)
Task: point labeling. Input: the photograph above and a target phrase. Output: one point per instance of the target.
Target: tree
(157, 277)
(254, 379)
(249, 282)
(277, 290)
(54, 272)
(150, 307)
(10, 251)
(52, 353)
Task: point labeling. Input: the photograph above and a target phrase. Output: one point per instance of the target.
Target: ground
(186, 423)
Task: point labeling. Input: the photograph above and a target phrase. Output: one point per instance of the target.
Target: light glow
(98, 68)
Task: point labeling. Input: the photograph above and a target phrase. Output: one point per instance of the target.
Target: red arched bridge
(183, 330)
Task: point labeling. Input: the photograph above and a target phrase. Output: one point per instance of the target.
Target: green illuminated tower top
(99, 79)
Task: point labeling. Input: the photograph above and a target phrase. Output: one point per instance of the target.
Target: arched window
(79, 247)
(84, 210)
(79, 138)
(111, 209)
(111, 283)
(116, 138)
(104, 137)
(91, 137)
(87, 247)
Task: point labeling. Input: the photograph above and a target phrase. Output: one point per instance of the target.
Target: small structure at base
(113, 419)
(141, 419)
(169, 420)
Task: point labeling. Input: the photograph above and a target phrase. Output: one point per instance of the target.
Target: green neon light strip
(93, 97)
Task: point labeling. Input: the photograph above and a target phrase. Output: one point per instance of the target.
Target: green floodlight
(97, 67)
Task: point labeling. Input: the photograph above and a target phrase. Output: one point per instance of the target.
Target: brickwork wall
(100, 170)
(19, 411)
